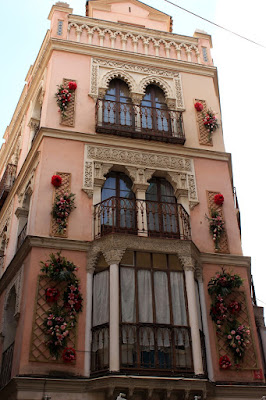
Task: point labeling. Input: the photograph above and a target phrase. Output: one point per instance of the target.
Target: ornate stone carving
(88, 174)
(94, 80)
(100, 170)
(89, 192)
(188, 262)
(179, 92)
(113, 256)
(158, 81)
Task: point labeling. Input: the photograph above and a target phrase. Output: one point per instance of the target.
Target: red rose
(198, 106)
(72, 85)
(56, 180)
(52, 295)
(225, 362)
(69, 355)
(218, 199)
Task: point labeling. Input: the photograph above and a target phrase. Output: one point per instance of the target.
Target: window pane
(161, 298)
(128, 258)
(143, 260)
(101, 298)
(145, 296)
(159, 261)
(174, 262)
(178, 298)
(128, 307)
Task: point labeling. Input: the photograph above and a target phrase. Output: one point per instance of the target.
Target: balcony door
(154, 112)
(117, 107)
(118, 212)
(162, 211)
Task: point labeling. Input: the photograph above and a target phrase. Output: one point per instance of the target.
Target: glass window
(154, 111)
(118, 108)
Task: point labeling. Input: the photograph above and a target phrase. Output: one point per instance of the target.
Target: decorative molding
(137, 77)
(113, 256)
(140, 166)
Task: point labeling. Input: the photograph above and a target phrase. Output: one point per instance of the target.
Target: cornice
(226, 259)
(132, 29)
(135, 144)
(38, 241)
(124, 56)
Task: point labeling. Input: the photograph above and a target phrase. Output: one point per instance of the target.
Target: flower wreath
(62, 316)
(63, 205)
(63, 96)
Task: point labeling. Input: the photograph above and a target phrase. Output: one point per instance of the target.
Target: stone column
(88, 336)
(113, 258)
(188, 263)
(205, 326)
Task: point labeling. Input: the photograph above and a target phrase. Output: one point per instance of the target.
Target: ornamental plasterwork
(138, 78)
(28, 184)
(16, 283)
(140, 166)
(5, 223)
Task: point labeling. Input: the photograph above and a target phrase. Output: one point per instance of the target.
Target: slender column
(141, 211)
(205, 328)
(114, 318)
(88, 336)
(193, 320)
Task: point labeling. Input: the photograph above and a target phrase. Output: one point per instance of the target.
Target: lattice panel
(223, 244)
(203, 132)
(64, 188)
(250, 361)
(69, 119)
(39, 351)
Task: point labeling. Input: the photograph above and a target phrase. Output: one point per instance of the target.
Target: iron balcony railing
(6, 367)
(7, 182)
(155, 346)
(22, 236)
(141, 217)
(138, 121)
(100, 348)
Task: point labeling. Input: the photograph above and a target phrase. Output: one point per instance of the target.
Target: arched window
(154, 111)
(117, 109)
(118, 204)
(162, 211)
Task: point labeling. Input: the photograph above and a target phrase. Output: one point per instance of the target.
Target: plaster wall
(213, 175)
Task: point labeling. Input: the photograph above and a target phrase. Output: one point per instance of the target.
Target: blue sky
(242, 82)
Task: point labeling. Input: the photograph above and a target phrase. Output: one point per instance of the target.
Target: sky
(242, 82)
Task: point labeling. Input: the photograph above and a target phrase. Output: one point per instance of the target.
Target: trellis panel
(223, 243)
(203, 132)
(250, 361)
(39, 350)
(69, 119)
(64, 188)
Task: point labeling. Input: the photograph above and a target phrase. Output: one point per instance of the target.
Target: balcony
(6, 368)
(145, 348)
(7, 182)
(22, 236)
(141, 217)
(132, 120)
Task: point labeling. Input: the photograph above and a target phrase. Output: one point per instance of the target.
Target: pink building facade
(161, 303)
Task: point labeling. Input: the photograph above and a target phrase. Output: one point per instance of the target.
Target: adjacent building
(119, 110)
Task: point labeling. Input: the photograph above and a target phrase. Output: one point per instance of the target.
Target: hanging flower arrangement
(62, 316)
(216, 225)
(63, 96)
(218, 199)
(63, 205)
(198, 106)
(224, 314)
(210, 122)
(56, 180)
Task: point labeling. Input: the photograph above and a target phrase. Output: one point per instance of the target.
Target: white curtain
(161, 297)
(101, 298)
(128, 302)
(145, 296)
(178, 298)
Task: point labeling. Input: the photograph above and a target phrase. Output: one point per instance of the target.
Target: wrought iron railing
(22, 236)
(138, 121)
(155, 346)
(100, 348)
(141, 217)
(6, 367)
(7, 182)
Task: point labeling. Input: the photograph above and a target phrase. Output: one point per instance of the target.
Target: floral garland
(63, 96)
(224, 314)
(216, 225)
(62, 316)
(63, 205)
(218, 199)
(210, 121)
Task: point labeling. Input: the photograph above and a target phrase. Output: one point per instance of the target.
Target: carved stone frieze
(188, 262)
(137, 77)
(140, 166)
(113, 256)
